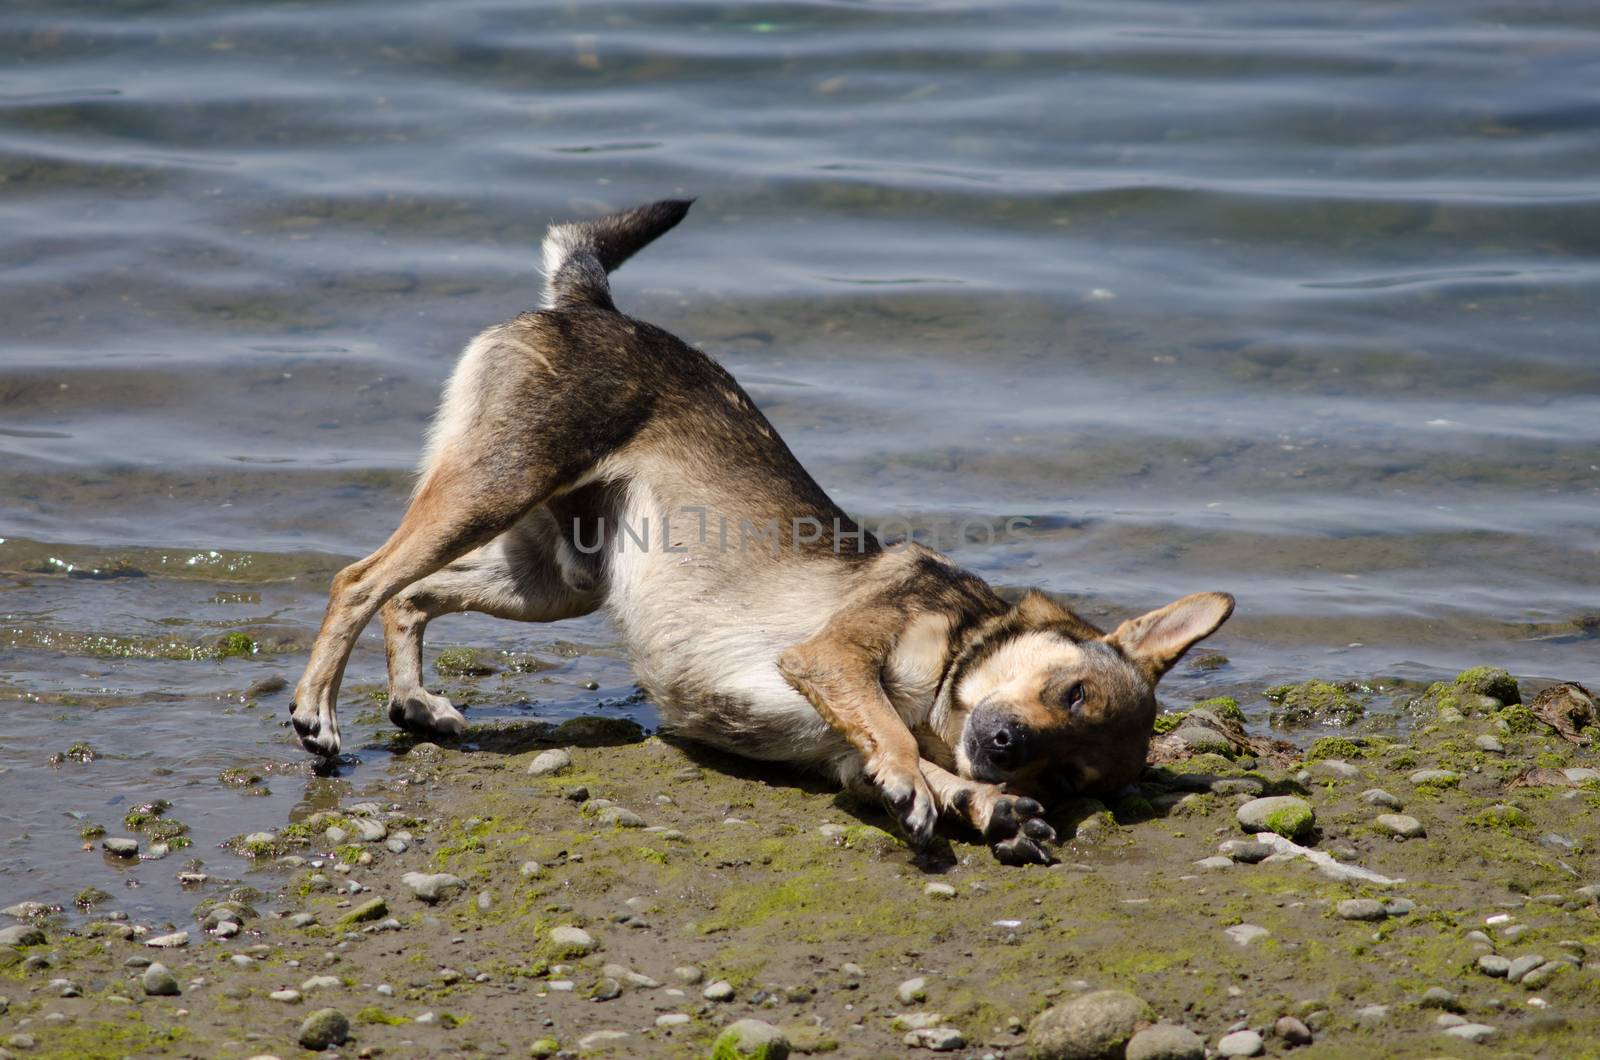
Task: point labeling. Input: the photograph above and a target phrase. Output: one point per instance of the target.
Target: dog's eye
(1074, 697)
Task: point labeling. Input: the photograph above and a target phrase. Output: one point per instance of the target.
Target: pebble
(1249, 851)
(1542, 974)
(573, 941)
(1522, 966)
(938, 1039)
(1399, 907)
(606, 990)
(1372, 1014)
(302, 920)
(26, 910)
(598, 1040)
(1361, 909)
(1399, 824)
(320, 982)
(530, 870)
(620, 817)
(432, 887)
(159, 981)
(1215, 862)
(688, 974)
(1439, 777)
(1379, 797)
(1245, 934)
(324, 1028)
(1494, 965)
(376, 909)
(1094, 1025)
(121, 846)
(1236, 786)
(1472, 1032)
(288, 997)
(1286, 815)
(939, 890)
(749, 1037)
(672, 1019)
(1241, 1043)
(1439, 997)
(721, 990)
(549, 763)
(912, 991)
(1490, 745)
(167, 942)
(1292, 1031)
(916, 1021)
(1166, 1041)
(1337, 767)
(21, 935)
(370, 831)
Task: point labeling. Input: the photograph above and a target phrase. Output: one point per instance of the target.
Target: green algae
(1339, 747)
(462, 662)
(1312, 702)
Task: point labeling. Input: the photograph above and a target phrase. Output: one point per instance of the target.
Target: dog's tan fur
(889, 668)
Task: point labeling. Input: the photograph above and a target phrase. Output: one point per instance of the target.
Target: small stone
(1236, 786)
(549, 763)
(1241, 1043)
(159, 981)
(938, 1039)
(1095, 1025)
(1166, 1041)
(1490, 745)
(1379, 797)
(1249, 851)
(1449, 1019)
(1245, 934)
(376, 909)
(687, 974)
(1440, 778)
(321, 982)
(572, 941)
(1399, 824)
(1361, 909)
(916, 1021)
(1370, 1015)
(530, 870)
(169, 942)
(1494, 965)
(121, 846)
(1292, 1031)
(324, 1028)
(1215, 862)
(1285, 815)
(544, 1048)
(26, 910)
(369, 830)
(1399, 907)
(620, 817)
(601, 1040)
(939, 890)
(605, 990)
(432, 887)
(721, 990)
(1472, 1032)
(302, 920)
(752, 1038)
(672, 1019)
(1522, 966)
(1439, 997)
(21, 935)
(912, 991)
(1337, 767)
(287, 996)
(1541, 975)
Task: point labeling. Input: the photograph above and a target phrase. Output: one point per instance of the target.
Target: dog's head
(1044, 702)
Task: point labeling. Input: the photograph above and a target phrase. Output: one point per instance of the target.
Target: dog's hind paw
(419, 710)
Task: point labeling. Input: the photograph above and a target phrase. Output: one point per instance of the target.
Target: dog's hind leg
(516, 576)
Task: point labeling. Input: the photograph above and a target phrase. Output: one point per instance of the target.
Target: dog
(581, 459)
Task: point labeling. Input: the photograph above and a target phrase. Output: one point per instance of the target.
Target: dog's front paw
(910, 799)
(319, 739)
(418, 710)
(1017, 832)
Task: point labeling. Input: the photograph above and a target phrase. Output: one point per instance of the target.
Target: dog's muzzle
(996, 744)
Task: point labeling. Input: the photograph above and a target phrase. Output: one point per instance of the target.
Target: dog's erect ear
(1037, 609)
(1154, 642)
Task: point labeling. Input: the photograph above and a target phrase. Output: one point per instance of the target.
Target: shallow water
(1294, 301)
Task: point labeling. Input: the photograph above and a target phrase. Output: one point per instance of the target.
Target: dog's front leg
(1012, 825)
(838, 674)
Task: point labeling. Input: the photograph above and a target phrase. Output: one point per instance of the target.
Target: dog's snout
(1008, 745)
(997, 744)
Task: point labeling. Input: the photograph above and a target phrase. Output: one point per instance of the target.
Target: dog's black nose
(1007, 745)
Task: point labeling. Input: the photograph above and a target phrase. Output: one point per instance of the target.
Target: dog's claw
(1016, 831)
(1021, 850)
(312, 738)
(1038, 830)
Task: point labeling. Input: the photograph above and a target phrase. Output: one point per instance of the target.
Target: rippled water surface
(1294, 300)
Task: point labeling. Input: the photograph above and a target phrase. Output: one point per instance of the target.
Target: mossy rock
(1489, 681)
(593, 731)
(462, 662)
(1340, 747)
(1314, 702)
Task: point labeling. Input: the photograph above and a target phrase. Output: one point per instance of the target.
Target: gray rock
(939, 890)
(688, 974)
(1292, 1031)
(1438, 777)
(169, 942)
(1249, 851)
(1091, 1027)
(1236, 786)
(1202, 740)
(1399, 907)
(1472, 1032)
(938, 1039)
(1439, 997)
(549, 763)
(1399, 824)
(1543, 974)
(1369, 1015)
(1241, 1043)
(1580, 774)
(1490, 745)
(912, 990)
(620, 817)
(1379, 797)
(750, 1037)
(606, 989)
(369, 830)
(1336, 767)
(1361, 909)
(159, 981)
(323, 1029)
(1217, 862)
(1166, 1041)
(121, 846)
(26, 910)
(721, 990)
(1494, 965)
(21, 935)
(1522, 966)
(1284, 814)
(598, 1041)
(1245, 934)
(572, 941)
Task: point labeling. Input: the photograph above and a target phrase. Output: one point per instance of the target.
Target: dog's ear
(1154, 642)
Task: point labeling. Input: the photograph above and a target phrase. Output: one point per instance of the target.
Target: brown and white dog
(584, 459)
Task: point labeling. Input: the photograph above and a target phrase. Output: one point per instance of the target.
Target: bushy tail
(579, 254)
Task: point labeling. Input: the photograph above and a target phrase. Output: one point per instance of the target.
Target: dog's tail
(579, 254)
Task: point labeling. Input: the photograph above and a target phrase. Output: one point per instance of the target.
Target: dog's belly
(704, 628)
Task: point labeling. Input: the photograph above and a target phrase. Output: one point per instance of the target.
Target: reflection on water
(1289, 300)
